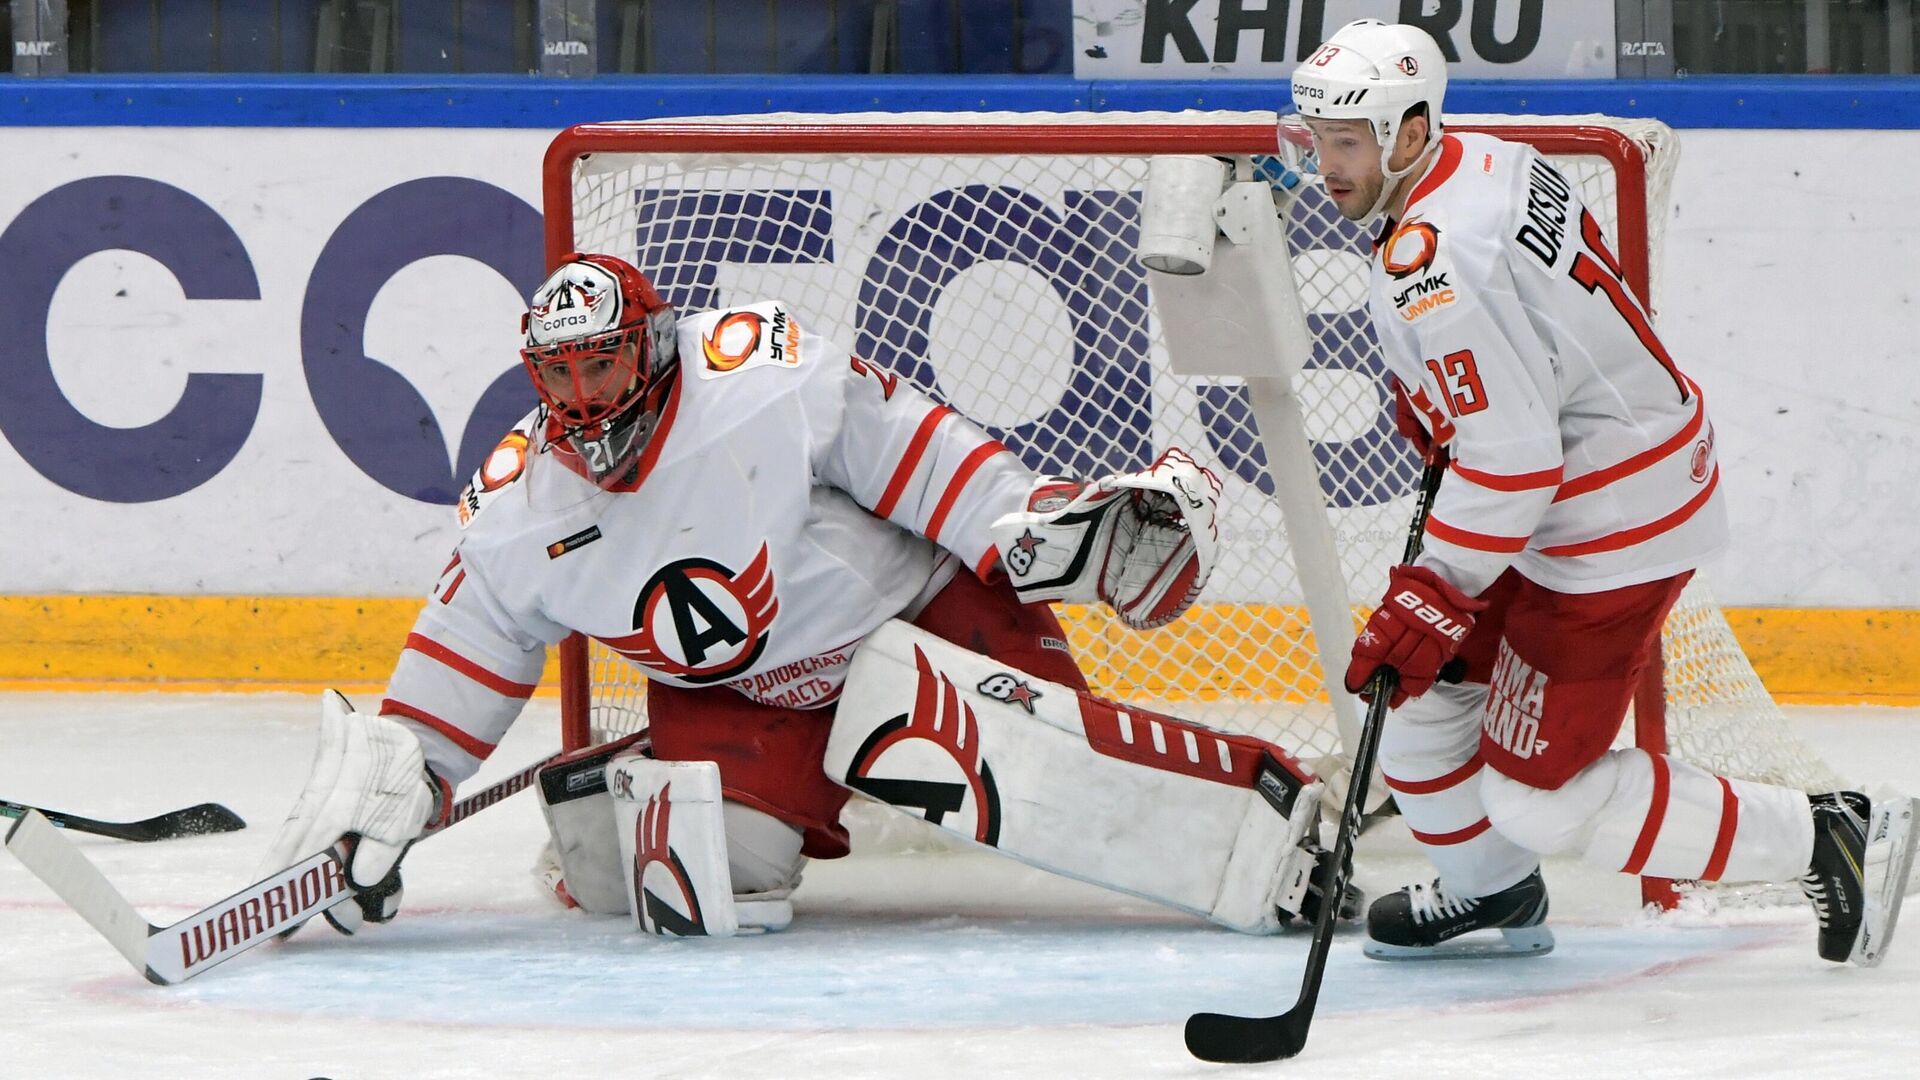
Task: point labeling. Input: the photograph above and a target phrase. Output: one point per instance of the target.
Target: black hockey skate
(1422, 922)
(1836, 879)
(1862, 855)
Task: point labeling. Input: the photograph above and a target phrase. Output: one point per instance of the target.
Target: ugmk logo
(940, 719)
(700, 622)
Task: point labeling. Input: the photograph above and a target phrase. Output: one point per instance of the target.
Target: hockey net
(990, 259)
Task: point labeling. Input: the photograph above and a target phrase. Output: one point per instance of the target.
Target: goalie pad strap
(1132, 800)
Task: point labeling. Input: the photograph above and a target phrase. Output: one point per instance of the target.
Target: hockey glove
(1416, 630)
(369, 796)
(1143, 542)
(1406, 420)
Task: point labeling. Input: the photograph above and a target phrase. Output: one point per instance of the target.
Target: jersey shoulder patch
(503, 467)
(721, 343)
(1418, 260)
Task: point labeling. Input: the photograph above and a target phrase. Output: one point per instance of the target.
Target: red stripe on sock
(1729, 822)
(1438, 783)
(1459, 836)
(1656, 815)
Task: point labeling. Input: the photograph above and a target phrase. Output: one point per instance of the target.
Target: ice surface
(897, 966)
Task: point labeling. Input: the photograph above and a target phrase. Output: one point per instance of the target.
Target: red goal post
(901, 234)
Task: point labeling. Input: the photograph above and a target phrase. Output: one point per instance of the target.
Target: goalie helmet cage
(989, 259)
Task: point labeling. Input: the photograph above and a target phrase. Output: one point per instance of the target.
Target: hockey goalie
(833, 584)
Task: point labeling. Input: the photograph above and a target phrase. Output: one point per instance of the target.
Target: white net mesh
(1005, 284)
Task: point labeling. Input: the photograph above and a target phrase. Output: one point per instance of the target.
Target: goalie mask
(600, 347)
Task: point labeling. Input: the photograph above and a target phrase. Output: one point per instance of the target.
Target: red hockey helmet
(600, 347)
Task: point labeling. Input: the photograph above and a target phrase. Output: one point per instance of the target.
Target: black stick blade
(196, 821)
(191, 821)
(1245, 1039)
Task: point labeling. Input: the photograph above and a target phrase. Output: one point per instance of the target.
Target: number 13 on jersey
(1459, 381)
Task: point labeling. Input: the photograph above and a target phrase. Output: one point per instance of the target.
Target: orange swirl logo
(505, 464)
(1410, 249)
(721, 358)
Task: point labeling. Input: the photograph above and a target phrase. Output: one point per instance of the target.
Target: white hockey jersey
(789, 503)
(1582, 456)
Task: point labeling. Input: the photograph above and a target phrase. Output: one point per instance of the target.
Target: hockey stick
(275, 904)
(1220, 1037)
(190, 821)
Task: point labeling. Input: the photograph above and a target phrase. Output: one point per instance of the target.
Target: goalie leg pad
(1274, 869)
(584, 865)
(764, 861)
(585, 849)
(673, 844)
(1207, 822)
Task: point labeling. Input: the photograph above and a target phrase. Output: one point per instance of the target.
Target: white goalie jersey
(792, 499)
(1582, 456)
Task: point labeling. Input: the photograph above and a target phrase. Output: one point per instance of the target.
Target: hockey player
(1584, 490)
(753, 516)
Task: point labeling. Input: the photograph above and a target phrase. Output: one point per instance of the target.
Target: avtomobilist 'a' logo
(668, 902)
(699, 622)
(929, 758)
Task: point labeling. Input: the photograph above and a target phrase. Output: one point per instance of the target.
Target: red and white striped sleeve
(919, 464)
(465, 672)
(1492, 403)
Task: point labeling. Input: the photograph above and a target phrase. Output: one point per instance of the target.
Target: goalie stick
(1225, 1038)
(276, 904)
(188, 821)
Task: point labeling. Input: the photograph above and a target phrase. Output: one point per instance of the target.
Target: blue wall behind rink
(384, 425)
(254, 260)
(515, 102)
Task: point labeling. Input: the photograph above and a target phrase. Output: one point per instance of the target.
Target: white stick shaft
(269, 907)
(39, 844)
(256, 914)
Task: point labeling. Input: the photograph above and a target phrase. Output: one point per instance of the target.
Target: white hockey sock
(1429, 755)
(1649, 814)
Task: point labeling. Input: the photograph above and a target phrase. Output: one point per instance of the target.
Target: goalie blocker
(1208, 822)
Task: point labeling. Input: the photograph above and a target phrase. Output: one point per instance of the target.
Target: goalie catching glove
(1142, 542)
(369, 796)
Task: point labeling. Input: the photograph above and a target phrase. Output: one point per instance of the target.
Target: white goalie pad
(1146, 804)
(579, 813)
(588, 859)
(673, 842)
